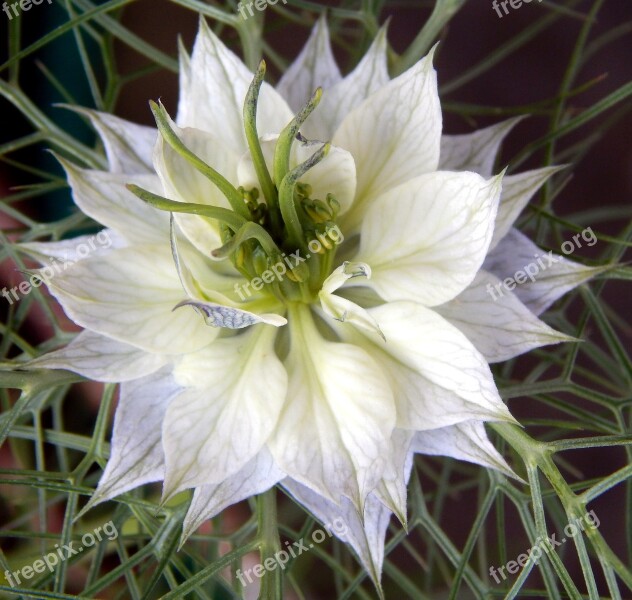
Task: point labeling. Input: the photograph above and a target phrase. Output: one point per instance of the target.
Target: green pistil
(230, 192)
(249, 231)
(283, 148)
(228, 217)
(291, 219)
(252, 137)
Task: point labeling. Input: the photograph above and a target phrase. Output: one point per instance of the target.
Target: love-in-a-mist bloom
(296, 289)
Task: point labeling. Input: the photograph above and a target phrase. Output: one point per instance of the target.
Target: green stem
(539, 455)
(269, 544)
(250, 35)
(443, 11)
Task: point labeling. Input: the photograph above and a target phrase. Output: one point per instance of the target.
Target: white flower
(331, 376)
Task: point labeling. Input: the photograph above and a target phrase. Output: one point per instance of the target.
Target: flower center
(287, 229)
(277, 233)
(296, 269)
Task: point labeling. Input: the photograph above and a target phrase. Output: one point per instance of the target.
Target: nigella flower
(296, 292)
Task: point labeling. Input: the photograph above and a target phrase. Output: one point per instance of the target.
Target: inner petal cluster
(277, 220)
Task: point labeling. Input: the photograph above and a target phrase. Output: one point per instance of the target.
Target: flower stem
(269, 544)
(442, 13)
(539, 456)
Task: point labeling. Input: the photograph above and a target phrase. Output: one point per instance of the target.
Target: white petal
(341, 309)
(553, 274)
(128, 146)
(183, 183)
(517, 191)
(314, 67)
(255, 477)
(465, 441)
(137, 457)
(100, 358)
(474, 151)
(104, 197)
(496, 322)
(183, 180)
(219, 315)
(214, 91)
(393, 136)
(335, 174)
(365, 536)
(235, 391)
(334, 431)
(426, 239)
(129, 295)
(437, 375)
(211, 303)
(74, 249)
(338, 101)
(391, 491)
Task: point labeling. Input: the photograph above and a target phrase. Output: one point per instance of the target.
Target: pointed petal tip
(517, 477)
(428, 60)
(187, 532)
(513, 121)
(169, 492)
(378, 589)
(403, 520)
(381, 38)
(68, 166)
(502, 415)
(94, 501)
(203, 25)
(98, 497)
